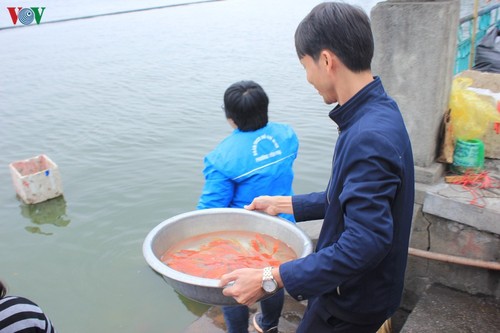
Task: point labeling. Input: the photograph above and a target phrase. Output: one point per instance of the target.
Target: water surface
(127, 106)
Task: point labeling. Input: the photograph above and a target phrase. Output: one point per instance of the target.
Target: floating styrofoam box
(36, 179)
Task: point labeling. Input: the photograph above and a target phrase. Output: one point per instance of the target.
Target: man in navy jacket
(354, 280)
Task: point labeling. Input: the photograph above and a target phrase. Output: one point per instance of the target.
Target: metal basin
(189, 224)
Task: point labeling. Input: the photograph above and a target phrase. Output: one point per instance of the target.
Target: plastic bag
(488, 53)
(471, 115)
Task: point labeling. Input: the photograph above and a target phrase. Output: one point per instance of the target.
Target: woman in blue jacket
(354, 280)
(255, 159)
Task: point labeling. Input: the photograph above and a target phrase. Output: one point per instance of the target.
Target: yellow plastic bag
(471, 115)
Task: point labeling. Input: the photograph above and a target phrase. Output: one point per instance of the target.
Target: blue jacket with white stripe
(249, 164)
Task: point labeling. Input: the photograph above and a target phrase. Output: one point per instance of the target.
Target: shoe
(256, 323)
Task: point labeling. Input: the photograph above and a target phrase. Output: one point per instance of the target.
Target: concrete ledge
(430, 174)
(453, 202)
(446, 310)
(420, 192)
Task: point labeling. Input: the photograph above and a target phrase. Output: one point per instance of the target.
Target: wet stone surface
(213, 321)
(442, 309)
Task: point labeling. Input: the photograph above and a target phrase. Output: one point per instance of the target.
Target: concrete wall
(415, 44)
(440, 235)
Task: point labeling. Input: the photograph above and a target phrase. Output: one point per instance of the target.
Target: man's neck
(352, 83)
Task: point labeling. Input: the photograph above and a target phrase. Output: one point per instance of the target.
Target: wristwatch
(269, 284)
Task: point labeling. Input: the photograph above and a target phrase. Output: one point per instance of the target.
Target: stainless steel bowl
(198, 222)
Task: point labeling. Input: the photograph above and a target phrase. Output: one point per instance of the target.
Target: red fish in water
(216, 255)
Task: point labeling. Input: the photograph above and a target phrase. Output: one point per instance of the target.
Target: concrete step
(441, 309)
(212, 321)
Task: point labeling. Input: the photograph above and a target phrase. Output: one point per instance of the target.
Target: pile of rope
(475, 183)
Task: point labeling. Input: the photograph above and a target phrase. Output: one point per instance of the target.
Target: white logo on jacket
(263, 157)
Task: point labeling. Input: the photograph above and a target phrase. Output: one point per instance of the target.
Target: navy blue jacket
(357, 270)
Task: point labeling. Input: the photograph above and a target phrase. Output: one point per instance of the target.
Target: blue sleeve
(309, 206)
(366, 198)
(218, 189)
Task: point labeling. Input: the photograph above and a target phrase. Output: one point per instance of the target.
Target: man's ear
(328, 60)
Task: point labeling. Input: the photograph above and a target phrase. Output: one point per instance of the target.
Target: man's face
(317, 74)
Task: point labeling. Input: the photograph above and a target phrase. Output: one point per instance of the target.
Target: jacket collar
(345, 115)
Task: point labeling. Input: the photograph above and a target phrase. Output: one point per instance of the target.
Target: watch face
(269, 286)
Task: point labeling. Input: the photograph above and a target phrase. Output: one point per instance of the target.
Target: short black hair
(343, 29)
(3, 290)
(246, 103)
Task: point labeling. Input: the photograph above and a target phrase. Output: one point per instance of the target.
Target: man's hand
(245, 285)
(272, 205)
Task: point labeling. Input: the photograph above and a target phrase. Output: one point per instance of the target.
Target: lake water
(127, 106)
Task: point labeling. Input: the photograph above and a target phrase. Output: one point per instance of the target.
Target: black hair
(343, 29)
(3, 290)
(246, 103)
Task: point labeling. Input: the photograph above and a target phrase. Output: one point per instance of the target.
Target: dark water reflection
(48, 212)
(196, 308)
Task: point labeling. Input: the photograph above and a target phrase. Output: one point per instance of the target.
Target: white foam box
(36, 179)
